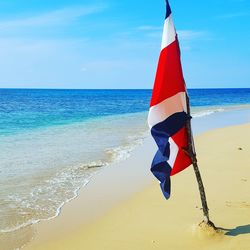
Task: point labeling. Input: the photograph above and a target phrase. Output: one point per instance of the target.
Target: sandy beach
(143, 219)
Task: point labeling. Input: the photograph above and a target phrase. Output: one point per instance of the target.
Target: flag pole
(192, 154)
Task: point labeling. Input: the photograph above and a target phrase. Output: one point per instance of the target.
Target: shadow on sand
(237, 231)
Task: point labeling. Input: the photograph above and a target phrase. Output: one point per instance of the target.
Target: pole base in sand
(209, 224)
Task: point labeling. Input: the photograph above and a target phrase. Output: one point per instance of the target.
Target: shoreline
(98, 196)
(121, 153)
(54, 236)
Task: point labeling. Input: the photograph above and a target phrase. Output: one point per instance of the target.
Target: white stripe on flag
(166, 108)
(173, 152)
(169, 32)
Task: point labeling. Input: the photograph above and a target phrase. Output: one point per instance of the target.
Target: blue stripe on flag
(161, 133)
(168, 9)
(161, 170)
(165, 129)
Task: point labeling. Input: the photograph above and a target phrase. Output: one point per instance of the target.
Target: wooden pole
(191, 152)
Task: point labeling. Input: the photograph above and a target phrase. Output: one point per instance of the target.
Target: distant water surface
(26, 109)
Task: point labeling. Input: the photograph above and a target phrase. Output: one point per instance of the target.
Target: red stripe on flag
(182, 160)
(169, 77)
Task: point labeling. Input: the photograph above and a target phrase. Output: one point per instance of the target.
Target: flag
(168, 113)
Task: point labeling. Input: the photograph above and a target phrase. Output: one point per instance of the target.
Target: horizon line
(27, 88)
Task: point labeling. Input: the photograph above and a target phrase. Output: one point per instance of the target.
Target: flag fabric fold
(168, 115)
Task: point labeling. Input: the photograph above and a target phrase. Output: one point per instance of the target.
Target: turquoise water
(54, 141)
(27, 109)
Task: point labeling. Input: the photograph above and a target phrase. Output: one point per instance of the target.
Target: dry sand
(145, 220)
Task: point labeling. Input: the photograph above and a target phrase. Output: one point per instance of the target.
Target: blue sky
(116, 44)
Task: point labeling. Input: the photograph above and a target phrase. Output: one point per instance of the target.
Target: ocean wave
(207, 112)
(53, 205)
(123, 152)
(64, 184)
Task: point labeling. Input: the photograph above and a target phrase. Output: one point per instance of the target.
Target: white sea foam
(27, 204)
(123, 152)
(207, 112)
(47, 197)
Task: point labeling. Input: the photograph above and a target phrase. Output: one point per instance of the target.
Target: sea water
(52, 142)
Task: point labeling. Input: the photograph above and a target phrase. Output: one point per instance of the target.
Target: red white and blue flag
(168, 113)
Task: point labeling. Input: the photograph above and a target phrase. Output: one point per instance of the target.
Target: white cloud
(52, 18)
(83, 69)
(150, 28)
(186, 35)
(233, 15)
(191, 34)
